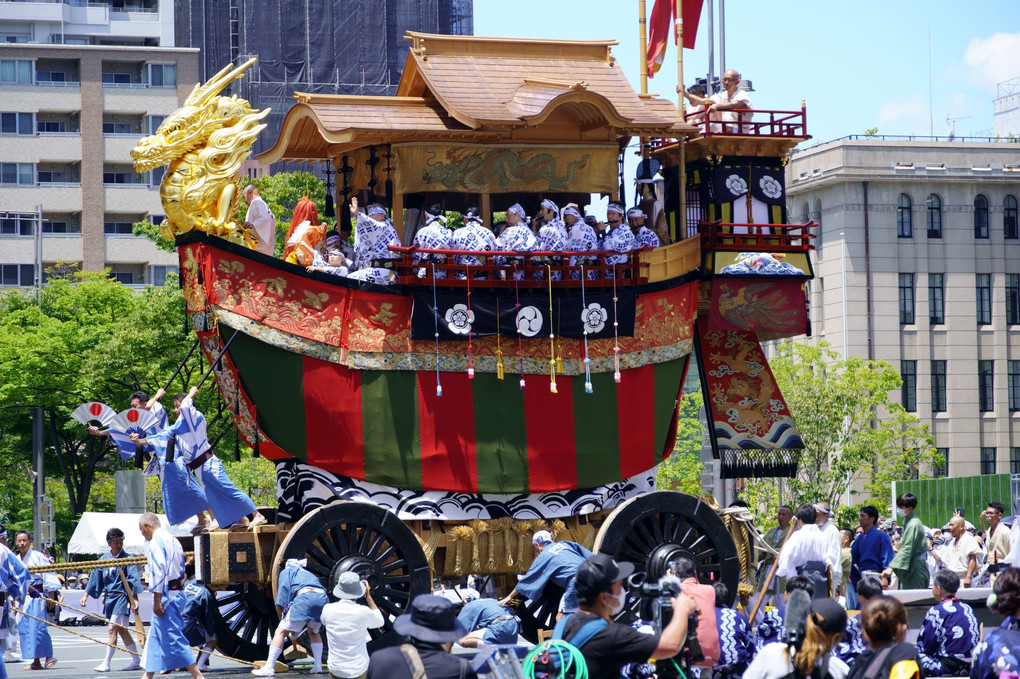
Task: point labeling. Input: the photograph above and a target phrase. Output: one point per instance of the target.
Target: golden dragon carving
(204, 142)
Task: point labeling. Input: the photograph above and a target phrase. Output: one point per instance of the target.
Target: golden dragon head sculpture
(204, 142)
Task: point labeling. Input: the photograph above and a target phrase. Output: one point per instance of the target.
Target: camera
(656, 606)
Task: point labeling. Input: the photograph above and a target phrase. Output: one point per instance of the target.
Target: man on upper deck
(730, 106)
(642, 234)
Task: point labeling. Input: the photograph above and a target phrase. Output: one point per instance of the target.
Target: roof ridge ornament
(579, 85)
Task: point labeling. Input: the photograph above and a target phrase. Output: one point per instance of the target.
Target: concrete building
(932, 280)
(69, 117)
(1006, 119)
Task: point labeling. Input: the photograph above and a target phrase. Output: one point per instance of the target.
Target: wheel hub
(366, 568)
(662, 556)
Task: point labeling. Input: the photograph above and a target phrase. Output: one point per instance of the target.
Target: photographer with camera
(812, 630)
(608, 646)
(704, 596)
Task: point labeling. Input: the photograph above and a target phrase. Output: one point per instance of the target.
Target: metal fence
(937, 499)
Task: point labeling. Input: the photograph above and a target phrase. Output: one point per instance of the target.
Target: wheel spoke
(325, 543)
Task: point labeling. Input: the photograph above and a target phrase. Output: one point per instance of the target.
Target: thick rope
(90, 565)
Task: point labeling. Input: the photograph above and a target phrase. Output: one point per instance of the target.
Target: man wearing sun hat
(347, 623)
(609, 646)
(431, 626)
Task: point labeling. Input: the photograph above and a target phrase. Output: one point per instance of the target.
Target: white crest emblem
(736, 184)
(529, 321)
(459, 319)
(594, 317)
(770, 187)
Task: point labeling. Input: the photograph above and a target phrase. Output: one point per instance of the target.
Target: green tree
(852, 430)
(683, 468)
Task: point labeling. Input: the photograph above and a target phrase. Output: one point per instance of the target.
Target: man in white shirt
(961, 553)
(730, 106)
(824, 522)
(806, 544)
(347, 623)
(259, 219)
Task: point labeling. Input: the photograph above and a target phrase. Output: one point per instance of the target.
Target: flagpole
(681, 218)
(643, 30)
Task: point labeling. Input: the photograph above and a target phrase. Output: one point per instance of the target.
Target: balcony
(759, 132)
(747, 237)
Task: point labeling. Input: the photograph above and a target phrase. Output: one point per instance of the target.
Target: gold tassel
(432, 544)
(560, 367)
(504, 526)
(522, 530)
(478, 529)
(460, 535)
(584, 535)
(557, 528)
(499, 364)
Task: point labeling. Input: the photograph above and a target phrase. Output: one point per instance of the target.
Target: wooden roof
(480, 89)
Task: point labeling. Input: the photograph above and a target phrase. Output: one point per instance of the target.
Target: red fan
(87, 413)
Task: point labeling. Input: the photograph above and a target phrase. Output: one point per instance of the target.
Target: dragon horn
(203, 93)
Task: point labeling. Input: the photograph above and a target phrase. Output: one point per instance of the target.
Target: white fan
(94, 412)
(134, 417)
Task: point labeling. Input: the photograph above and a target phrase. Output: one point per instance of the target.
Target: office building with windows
(923, 239)
(69, 117)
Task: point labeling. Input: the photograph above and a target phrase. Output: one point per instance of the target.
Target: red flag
(660, 25)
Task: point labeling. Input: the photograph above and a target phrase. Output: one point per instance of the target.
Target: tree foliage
(88, 338)
(683, 468)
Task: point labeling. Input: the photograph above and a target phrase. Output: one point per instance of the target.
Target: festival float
(430, 427)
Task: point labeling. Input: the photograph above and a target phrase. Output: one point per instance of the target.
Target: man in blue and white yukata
(643, 236)
(229, 506)
(552, 236)
(736, 640)
(488, 622)
(182, 497)
(199, 615)
(167, 648)
(516, 237)
(299, 601)
(35, 637)
(580, 237)
(107, 583)
(949, 632)
(554, 562)
(474, 236)
(619, 239)
(373, 236)
(14, 577)
(435, 235)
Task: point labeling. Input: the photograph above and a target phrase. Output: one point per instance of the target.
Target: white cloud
(993, 59)
(904, 116)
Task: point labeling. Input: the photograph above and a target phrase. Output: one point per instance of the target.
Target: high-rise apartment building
(928, 236)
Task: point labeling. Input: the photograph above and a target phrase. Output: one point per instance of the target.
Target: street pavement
(77, 656)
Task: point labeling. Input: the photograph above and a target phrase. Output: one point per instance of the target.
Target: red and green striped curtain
(481, 436)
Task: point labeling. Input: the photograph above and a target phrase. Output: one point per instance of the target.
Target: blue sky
(857, 65)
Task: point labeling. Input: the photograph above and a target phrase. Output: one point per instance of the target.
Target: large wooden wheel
(246, 622)
(653, 529)
(540, 613)
(368, 540)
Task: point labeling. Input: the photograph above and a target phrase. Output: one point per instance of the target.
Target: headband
(472, 218)
(551, 205)
(517, 209)
(571, 211)
(376, 210)
(635, 212)
(613, 207)
(296, 563)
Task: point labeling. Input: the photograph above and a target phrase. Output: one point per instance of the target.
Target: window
(1012, 299)
(904, 225)
(938, 386)
(117, 128)
(60, 226)
(51, 126)
(158, 273)
(116, 78)
(155, 122)
(52, 177)
(44, 77)
(1013, 379)
(988, 460)
(156, 176)
(986, 386)
(16, 123)
(936, 299)
(123, 277)
(942, 470)
(908, 392)
(17, 224)
(1014, 460)
(984, 298)
(118, 228)
(934, 218)
(17, 275)
(1009, 224)
(906, 299)
(114, 177)
(21, 174)
(163, 75)
(980, 217)
(16, 71)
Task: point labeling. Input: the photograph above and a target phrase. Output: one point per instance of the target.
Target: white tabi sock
(203, 662)
(316, 654)
(109, 655)
(133, 653)
(274, 655)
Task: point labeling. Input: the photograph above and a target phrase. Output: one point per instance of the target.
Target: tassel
(255, 428)
(587, 361)
(170, 444)
(499, 364)
(559, 340)
(616, 335)
(237, 446)
(520, 342)
(552, 336)
(435, 315)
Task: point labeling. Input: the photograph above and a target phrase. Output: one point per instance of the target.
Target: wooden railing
(758, 237)
(756, 123)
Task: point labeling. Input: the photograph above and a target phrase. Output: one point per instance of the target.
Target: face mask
(617, 605)
(901, 512)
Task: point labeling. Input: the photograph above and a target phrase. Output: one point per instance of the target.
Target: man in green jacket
(909, 564)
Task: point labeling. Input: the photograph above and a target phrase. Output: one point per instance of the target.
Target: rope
(471, 359)
(88, 613)
(91, 565)
(552, 336)
(520, 341)
(499, 348)
(114, 646)
(616, 333)
(587, 361)
(435, 314)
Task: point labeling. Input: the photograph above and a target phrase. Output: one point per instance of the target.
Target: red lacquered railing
(759, 237)
(756, 123)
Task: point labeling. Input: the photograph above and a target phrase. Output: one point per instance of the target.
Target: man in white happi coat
(373, 236)
(807, 545)
(731, 106)
(580, 238)
(167, 648)
(643, 236)
(472, 236)
(516, 237)
(435, 235)
(35, 637)
(260, 220)
(552, 236)
(619, 239)
(830, 531)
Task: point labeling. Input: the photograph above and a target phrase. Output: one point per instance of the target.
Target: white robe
(807, 543)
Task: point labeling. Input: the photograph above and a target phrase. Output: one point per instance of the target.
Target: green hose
(568, 657)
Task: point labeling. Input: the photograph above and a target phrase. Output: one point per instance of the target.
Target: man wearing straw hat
(347, 623)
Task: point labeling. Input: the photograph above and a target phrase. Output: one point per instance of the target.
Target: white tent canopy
(89, 536)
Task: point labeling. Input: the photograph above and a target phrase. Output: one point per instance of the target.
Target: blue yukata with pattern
(852, 644)
(646, 237)
(949, 632)
(372, 241)
(14, 578)
(475, 237)
(433, 236)
(166, 647)
(621, 240)
(33, 633)
(736, 642)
